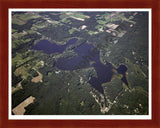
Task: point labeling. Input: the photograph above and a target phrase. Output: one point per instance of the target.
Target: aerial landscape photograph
(79, 62)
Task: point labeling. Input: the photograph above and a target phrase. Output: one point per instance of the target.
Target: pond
(122, 70)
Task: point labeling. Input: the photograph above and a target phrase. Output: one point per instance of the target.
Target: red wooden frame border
(6, 4)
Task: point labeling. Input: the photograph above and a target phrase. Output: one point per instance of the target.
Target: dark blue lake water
(49, 48)
(122, 70)
(85, 54)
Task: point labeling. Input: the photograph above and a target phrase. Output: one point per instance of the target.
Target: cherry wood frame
(6, 4)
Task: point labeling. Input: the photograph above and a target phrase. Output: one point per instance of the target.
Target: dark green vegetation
(121, 38)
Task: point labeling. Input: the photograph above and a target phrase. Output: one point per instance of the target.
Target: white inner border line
(82, 117)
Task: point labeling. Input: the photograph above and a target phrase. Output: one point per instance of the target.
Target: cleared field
(19, 86)
(37, 78)
(20, 109)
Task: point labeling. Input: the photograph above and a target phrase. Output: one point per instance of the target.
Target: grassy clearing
(19, 59)
(14, 30)
(21, 19)
(16, 20)
(77, 15)
(22, 71)
(72, 30)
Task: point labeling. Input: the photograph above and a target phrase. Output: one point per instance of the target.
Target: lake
(85, 54)
(49, 48)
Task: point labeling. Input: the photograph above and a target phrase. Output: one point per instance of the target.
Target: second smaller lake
(49, 48)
